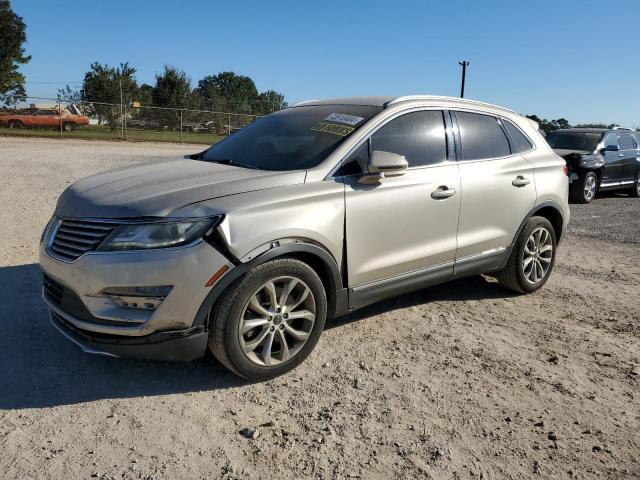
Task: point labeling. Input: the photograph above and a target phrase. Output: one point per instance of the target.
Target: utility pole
(464, 64)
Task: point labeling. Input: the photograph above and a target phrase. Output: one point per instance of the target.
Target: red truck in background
(43, 116)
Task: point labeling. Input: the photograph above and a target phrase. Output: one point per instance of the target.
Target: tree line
(104, 86)
(548, 126)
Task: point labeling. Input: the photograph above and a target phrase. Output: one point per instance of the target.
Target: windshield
(292, 139)
(586, 141)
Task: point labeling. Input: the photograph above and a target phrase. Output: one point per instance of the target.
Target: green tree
(269, 102)
(239, 91)
(12, 36)
(548, 126)
(173, 90)
(103, 86)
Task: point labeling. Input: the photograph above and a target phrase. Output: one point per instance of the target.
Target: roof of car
(583, 130)
(388, 101)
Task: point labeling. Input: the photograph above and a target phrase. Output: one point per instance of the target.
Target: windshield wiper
(228, 161)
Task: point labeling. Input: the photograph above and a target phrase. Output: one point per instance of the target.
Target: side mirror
(386, 164)
(610, 148)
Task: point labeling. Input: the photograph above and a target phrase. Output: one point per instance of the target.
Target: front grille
(74, 238)
(52, 289)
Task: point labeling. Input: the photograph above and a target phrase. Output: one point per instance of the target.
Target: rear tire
(585, 189)
(269, 320)
(532, 257)
(15, 124)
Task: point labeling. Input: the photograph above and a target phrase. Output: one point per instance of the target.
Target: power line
(54, 83)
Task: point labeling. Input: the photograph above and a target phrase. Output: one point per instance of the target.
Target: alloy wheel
(590, 186)
(538, 253)
(277, 321)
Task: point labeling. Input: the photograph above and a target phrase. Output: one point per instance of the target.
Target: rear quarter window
(519, 141)
(627, 142)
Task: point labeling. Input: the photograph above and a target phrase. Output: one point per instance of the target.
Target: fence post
(121, 116)
(125, 122)
(229, 124)
(180, 125)
(60, 116)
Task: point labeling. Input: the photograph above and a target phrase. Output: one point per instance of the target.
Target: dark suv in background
(599, 159)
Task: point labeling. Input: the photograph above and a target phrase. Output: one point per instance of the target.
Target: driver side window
(611, 140)
(418, 136)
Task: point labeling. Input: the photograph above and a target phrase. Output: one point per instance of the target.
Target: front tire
(269, 320)
(68, 127)
(532, 257)
(585, 189)
(635, 191)
(15, 124)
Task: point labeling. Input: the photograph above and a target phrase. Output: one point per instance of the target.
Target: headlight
(157, 235)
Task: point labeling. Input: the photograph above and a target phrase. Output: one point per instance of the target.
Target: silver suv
(306, 214)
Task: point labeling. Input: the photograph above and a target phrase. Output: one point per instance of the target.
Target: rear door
(403, 227)
(497, 186)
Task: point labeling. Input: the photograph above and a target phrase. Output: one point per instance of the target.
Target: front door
(614, 162)
(403, 228)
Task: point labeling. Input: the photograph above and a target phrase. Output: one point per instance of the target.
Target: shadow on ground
(40, 368)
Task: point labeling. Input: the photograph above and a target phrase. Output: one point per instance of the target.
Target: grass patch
(92, 132)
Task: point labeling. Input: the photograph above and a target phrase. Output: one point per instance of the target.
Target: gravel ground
(461, 381)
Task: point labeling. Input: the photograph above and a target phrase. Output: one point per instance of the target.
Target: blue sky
(574, 58)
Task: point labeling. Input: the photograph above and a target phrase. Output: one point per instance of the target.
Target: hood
(565, 153)
(156, 189)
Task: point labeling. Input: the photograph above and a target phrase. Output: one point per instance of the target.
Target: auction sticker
(341, 130)
(344, 118)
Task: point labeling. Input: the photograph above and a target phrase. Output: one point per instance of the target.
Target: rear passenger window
(419, 136)
(481, 137)
(519, 141)
(626, 142)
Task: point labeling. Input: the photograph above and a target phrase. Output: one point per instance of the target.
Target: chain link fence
(67, 118)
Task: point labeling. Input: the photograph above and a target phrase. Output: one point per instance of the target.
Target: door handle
(443, 192)
(621, 154)
(520, 181)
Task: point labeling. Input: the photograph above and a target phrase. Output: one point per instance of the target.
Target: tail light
(566, 169)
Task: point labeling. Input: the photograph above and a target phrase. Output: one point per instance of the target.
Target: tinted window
(520, 142)
(585, 141)
(291, 139)
(419, 136)
(481, 137)
(611, 140)
(626, 142)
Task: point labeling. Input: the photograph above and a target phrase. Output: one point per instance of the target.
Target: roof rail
(618, 127)
(304, 102)
(439, 97)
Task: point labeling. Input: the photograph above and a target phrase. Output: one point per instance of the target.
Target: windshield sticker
(340, 130)
(344, 118)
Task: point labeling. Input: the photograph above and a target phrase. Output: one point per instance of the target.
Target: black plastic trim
(279, 251)
(362, 297)
(534, 210)
(181, 345)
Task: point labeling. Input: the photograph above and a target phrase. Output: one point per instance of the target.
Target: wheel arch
(549, 210)
(308, 252)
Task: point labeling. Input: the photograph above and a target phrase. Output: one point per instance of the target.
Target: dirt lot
(462, 381)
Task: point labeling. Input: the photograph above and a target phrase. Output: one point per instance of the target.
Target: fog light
(141, 298)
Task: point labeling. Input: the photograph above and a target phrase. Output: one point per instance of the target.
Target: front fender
(336, 294)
